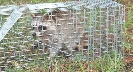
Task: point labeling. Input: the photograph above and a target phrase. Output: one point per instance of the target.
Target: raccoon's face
(41, 25)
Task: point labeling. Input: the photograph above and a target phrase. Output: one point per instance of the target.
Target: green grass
(107, 63)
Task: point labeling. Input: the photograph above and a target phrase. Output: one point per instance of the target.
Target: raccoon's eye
(39, 28)
(44, 27)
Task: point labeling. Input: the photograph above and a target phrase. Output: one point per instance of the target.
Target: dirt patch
(128, 34)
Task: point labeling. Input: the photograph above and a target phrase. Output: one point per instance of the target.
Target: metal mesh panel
(86, 28)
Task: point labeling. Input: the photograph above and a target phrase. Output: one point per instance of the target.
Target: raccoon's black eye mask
(40, 27)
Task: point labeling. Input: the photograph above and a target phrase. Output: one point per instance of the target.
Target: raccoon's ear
(45, 17)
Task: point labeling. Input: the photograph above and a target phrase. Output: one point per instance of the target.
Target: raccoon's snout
(34, 34)
(40, 27)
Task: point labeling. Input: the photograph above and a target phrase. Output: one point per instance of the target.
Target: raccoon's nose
(34, 34)
(40, 27)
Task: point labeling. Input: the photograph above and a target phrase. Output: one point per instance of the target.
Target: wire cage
(89, 29)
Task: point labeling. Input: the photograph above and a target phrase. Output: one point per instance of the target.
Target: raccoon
(61, 31)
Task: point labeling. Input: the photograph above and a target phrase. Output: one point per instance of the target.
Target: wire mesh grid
(87, 29)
